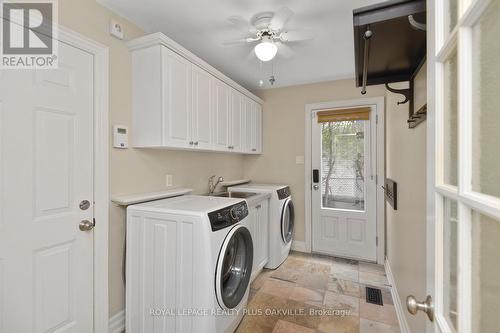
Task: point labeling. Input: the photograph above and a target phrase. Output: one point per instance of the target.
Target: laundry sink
(242, 195)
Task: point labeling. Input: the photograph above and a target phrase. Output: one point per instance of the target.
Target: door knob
(316, 187)
(427, 306)
(86, 225)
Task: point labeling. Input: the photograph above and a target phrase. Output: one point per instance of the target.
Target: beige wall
(284, 133)
(406, 227)
(135, 170)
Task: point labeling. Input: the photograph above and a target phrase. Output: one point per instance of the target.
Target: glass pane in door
(451, 8)
(450, 123)
(450, 261)
(486, 111)
(485, 273)
(342, 164)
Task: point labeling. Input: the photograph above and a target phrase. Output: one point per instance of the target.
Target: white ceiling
(202, 26)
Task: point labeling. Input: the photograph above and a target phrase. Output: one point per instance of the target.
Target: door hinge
(376, 179)
(93, 220)
(376, 241)
(376, 119)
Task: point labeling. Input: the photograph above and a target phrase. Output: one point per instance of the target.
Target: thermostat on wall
(120, 136)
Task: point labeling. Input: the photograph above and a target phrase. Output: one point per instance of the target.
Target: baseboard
(299, 246)
(117, 323)
(400, 310)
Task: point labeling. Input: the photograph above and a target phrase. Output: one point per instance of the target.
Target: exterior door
(463, 170)
(46, 133)
(344, 194)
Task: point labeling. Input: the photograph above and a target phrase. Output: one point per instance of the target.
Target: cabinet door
(176, 99)
(264, 232)
(221, 115)
(202, 108)
(235, 131)
(253, 215)
(248, 133)
(258, 128)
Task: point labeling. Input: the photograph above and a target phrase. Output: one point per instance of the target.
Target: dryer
(281, 219)
(188, 266)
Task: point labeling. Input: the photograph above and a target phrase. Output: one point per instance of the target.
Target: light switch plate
(169, 182)
(299, 159)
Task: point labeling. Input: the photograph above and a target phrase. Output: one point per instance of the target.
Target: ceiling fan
(269, 30)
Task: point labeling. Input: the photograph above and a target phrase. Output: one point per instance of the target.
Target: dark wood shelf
(396, 47)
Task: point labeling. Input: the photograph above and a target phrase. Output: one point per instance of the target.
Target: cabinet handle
(196, 143)
(254, 149)
(258, 206)
(191, 142)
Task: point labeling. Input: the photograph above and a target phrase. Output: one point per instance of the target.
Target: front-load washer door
(287, 221)
(234, 267)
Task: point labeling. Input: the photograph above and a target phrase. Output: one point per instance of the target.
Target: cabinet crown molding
(159, 38)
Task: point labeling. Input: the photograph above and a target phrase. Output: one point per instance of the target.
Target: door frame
(101, 170)
(379, 102)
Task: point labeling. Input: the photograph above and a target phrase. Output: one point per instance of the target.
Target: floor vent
(374, 296)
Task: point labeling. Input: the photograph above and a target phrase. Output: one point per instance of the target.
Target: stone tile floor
(319, 294)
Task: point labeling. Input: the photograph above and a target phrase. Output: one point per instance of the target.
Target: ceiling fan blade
(235, 42)
(280, 18)
(242, 24)
(297, 36)
(240, 41)
(284, 50)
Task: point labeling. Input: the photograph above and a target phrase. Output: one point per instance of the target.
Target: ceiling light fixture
(266, 50)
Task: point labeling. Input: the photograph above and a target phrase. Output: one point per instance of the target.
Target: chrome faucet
(211, 185)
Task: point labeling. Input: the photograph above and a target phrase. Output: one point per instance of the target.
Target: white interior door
(463, 170)
(46, 134)
(344, 195)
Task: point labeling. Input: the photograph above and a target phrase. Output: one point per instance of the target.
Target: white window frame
(459, 39)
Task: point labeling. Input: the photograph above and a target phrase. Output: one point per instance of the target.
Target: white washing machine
(189, 261)
(281, 219)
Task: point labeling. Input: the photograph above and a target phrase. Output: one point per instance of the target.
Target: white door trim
(101, 170)
(380, 157)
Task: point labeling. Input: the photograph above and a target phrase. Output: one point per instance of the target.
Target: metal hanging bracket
(416, 25)
(405, 92)
(367, 36)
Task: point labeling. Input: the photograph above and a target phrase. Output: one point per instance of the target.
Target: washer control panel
(228, 216)
(284, 193)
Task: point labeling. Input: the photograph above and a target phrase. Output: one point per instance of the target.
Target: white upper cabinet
(252, 142)
(221, 115)
(258, 128)
(176, 100)
(202, 114)
(249, 133)
(181, 102)
(236, 128)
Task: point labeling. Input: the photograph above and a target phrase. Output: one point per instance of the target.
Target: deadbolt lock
(84, 204)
